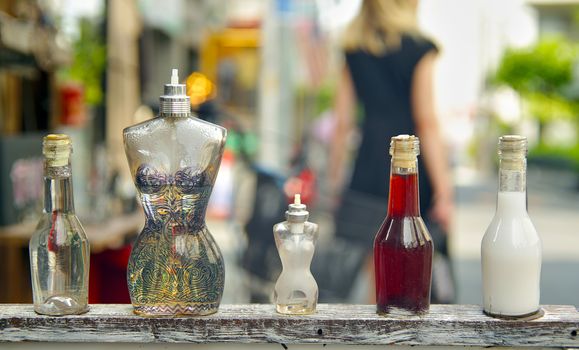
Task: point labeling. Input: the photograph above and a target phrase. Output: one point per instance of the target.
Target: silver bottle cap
(296, 211)
(174, 102)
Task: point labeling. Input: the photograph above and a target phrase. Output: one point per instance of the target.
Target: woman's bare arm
(432, 146)
(344, 104)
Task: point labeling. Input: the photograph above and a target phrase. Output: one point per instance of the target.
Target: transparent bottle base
(295, 309)
(58, 305)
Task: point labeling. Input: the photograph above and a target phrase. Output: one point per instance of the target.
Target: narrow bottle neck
(512, 185)
(513, 175)
(58, 196)
(403, 200)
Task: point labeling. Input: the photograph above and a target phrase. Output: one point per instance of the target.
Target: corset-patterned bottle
(175, 267)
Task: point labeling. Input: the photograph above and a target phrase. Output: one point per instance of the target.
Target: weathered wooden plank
(463, 325)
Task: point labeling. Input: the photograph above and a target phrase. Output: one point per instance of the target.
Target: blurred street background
(267, 70)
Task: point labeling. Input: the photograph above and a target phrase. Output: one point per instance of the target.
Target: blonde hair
(380, 24)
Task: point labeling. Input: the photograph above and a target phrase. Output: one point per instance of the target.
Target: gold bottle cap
(404, 149)
(56, 149)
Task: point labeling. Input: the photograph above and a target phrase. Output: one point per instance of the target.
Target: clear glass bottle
(511, 247)
(59, 249)
(296, 290)
(175, 267)
(403, 247)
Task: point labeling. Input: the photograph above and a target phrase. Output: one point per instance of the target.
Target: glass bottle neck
(403, 199)
(512, 196)
(513, 175)
(58, 196)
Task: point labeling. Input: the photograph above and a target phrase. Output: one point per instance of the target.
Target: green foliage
(546, 67)
(556, 156)
(542, 75)
(576, 16)
(546, 107)
(324, 98)
(88, 62)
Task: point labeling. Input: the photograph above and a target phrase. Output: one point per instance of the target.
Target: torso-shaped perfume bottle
(59, 249)
(403, 247)
(175, 267)
(296, 290)
(511, 247)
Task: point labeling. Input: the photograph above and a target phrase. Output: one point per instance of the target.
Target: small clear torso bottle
(296, 290)
(511, 247)
(59, 249)
(175, 266)
(403, 247)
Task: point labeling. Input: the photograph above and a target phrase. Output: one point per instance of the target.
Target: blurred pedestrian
(389, 71)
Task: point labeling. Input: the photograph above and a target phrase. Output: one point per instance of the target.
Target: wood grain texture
(462, 325)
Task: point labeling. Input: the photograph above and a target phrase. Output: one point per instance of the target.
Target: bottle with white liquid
(296, 290)
(511, 247)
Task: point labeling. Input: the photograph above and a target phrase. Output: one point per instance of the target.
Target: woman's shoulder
(411, 49)
(418, 42)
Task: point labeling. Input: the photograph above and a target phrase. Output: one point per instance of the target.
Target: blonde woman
(389, 68)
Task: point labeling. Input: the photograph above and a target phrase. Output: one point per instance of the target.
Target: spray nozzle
(297, 199)
(174, 76)
(174, 100)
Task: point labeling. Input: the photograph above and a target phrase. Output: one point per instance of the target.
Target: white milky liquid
(511, 259)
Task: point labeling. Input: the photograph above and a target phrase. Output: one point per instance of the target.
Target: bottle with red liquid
(403, 247)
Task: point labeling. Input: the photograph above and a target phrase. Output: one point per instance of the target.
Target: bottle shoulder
(66, 218)
(217, 128)
(162, 124)
(284, 229)
(511, 230)
(139, 126)
(280, 227)
(394, 223)
(166, 145)
(63, 225)
(311, 229)
(175, 134)
(408, 231)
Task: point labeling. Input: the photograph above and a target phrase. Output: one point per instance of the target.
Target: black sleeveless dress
(383, 87)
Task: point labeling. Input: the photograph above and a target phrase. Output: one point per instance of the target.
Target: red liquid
(403, 251)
